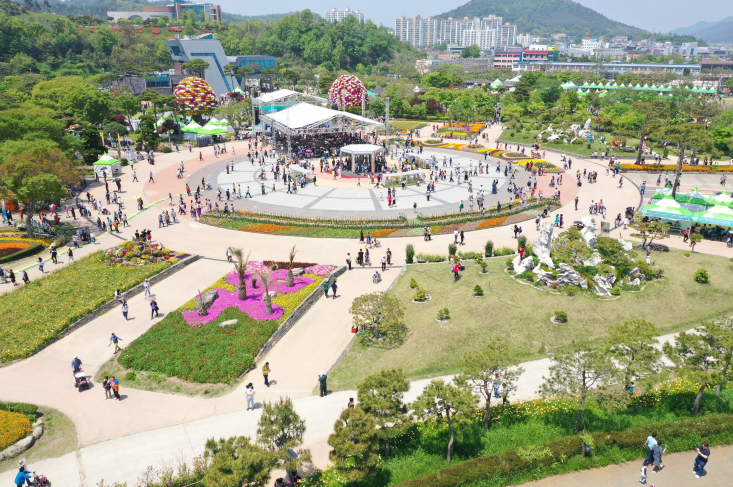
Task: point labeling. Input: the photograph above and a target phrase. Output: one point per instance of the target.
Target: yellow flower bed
(291, 301)
(13, 427)
(25, 240)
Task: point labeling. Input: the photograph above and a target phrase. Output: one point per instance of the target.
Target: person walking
(384, 263)
(334, 287)
(153, 308)
(146, 286)
(229, 255)
(134, 176)
(322, 381)
(116, 340)
(576, 202)
(650, 443)
(75, 365)
(326, 285)
(657, 453)
(348, 259)
(54, 255)
(389, 256)
(40, 265)
(266, 372)
(116, 388)
(703, 455)
(151, 180)
(250, 392)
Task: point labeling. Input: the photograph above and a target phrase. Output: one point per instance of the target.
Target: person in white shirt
(250, 391)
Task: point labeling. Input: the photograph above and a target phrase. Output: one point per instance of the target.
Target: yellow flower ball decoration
(195, 95)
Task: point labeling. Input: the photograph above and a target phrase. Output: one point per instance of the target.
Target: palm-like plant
(266, 276)
(290, 280)
(241, 267)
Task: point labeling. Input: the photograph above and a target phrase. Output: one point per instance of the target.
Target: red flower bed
(140, 31)
(117, 29)
(173, 29)
(208, 31)
(154, 31)
(92, 30)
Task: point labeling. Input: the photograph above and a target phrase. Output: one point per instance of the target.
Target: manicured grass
(522, 314)
(406, 125)
(36, 312)
(529, 137)
(207, 353)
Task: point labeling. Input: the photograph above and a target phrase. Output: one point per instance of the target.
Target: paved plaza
(118, 440)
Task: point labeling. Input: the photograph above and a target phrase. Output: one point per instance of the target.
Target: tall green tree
(481, 369)
(454, 403)
(633, 346)
(654, 114)
(280, 430)
(703, 356)
(354, 440)
(237, 462)
(579, 373)
(381, 396)
(196, 66)
(380, 314)
(471, 51)
(238, 114)
(34, 178)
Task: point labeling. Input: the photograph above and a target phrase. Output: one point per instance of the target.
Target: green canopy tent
(721, 199)
(717, 215)
(669, 209)
(191, 128)
(211, 130)
(693, 201)
(107, 164)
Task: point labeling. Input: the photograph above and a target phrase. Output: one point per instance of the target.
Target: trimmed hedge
(32, 250)
(685, 435)
(19, 407)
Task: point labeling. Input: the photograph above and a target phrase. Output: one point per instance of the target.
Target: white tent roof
(304, 117)
(361, 148)
(277, 95)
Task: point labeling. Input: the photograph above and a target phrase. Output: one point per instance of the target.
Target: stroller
(40, 480)
(80, 381)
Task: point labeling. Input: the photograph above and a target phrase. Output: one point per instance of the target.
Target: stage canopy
(304, 118)
(287, 97)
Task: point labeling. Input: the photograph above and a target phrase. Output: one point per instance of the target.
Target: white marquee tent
(304, 118)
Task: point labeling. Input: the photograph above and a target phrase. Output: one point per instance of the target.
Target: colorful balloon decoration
(347, 91)
(195, 96)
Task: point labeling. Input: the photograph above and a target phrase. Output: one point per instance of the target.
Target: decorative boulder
(567, 276)
(226, 323)
(626, 245)
(637, 274)
(633, 282)
(594, 260)
(602, 285)
(297, 271)
(37, 431)
(541, 246)
(589, 231)
(205, 301)
(523, 265)
(544, 277)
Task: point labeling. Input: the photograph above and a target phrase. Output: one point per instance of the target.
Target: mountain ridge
(716, 31)
(546, 17)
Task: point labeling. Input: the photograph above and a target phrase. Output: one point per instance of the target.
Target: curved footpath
(118, 440)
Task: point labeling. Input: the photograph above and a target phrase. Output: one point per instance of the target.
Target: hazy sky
(647, 14)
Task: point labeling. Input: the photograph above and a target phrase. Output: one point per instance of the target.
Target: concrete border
(113, 303)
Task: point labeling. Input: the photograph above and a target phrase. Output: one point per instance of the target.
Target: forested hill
(544, 17)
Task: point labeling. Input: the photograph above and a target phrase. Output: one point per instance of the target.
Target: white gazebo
(362, 153)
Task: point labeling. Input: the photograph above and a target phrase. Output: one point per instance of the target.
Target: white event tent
(305, 118)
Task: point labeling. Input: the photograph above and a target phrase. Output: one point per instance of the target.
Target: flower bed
(137, 253)
(673, 167)
(10, 251)
(268, 228)
(491, 222)
(37, 313)
(174, 29)
(385, 232)
(140, 31)
(461, 127)
(195, 348)
(154, 31)
(13, 427)
(432, 142)
(513, 155)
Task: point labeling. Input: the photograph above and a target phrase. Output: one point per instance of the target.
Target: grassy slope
(580, 149)
(522, 315)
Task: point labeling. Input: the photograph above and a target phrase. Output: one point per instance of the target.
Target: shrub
(570, 291)
(470, 255)
(526, 275)
(477, 291)
(511, 134)
(421, 295)
(413, 283)
(166, 150)
(443, 314)
(19, 407)
(489, 248)
(409, 253)
(483, 266)
(504, 251)
(13, 427)
(687, 253)
(702, 276)
(521, 242)
(131, 376)
(615, 291)
(561, 316)
(431, 257)
(452, 249)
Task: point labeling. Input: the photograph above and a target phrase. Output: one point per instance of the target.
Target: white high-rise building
(451, 29)
(417, 31)
(484, 38)
(524, 40)
(339, 15)
(491, 22)
(506, 36)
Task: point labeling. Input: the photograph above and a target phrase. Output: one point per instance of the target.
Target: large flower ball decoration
(195, 95)
(347, 91)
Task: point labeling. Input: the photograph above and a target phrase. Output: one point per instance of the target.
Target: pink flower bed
(319, 270)
(254, 305)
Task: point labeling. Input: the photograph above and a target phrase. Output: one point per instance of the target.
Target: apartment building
(491, 22)
(524, 40)
(506, 36)
(484, 38)
(452, 29)
(338, 15)
(417, 31)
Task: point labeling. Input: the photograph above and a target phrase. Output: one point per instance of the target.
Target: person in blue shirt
(23, 477)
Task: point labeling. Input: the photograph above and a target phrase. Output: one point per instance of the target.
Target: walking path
(119, 439)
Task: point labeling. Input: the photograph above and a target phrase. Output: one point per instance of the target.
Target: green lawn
(529, 136)
(406, 124)
(522, 314)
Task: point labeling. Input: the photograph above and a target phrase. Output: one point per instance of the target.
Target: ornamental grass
(13, 427)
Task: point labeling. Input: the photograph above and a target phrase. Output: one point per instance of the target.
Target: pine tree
(380, 396)
(280, 431)
(455, 403)
(237, 462)
(355, 448)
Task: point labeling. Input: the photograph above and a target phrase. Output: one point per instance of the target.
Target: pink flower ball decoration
(347, 91)
(195, 94)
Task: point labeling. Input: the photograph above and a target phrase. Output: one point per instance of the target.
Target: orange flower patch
(12, 247)
(268, 228)
(13, 427)
(491, 222)
(385, 232)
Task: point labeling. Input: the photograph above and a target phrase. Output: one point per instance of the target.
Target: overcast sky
(647, 14)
